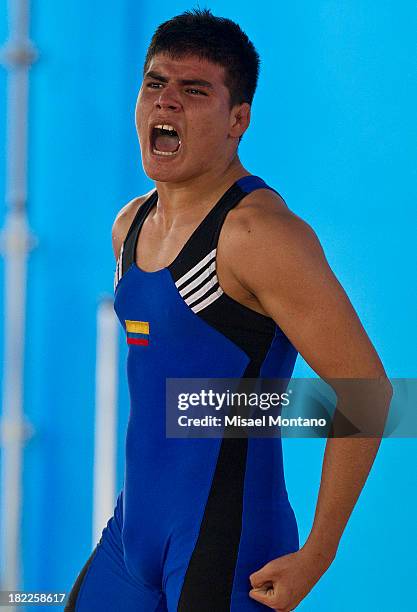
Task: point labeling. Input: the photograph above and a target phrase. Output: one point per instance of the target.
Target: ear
(239, 119)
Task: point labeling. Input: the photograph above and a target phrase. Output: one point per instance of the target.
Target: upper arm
(282, 263)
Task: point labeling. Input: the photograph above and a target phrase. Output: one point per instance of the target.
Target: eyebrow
(158, 77)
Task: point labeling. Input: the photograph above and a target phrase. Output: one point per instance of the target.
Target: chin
(160, 174)
(166, 174)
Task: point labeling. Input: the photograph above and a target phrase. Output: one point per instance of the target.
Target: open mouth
(165, 140)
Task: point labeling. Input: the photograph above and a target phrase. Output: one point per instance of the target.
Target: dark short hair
(216, 39)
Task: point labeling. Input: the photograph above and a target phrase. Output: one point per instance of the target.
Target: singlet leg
(103, 585)
(72, 597)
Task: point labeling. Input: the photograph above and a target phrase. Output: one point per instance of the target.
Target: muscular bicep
(292, 280)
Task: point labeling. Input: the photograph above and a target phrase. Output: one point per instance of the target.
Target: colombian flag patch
(137, 332)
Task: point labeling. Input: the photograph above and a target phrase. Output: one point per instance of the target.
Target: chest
(157, 248)
(198, 251)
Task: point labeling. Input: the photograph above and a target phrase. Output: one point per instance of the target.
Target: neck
(176, 199)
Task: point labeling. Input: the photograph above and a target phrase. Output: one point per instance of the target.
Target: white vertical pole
(16, 241)
(104, 484)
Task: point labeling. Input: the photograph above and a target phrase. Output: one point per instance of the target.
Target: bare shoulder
(124, 220)
(263, 222)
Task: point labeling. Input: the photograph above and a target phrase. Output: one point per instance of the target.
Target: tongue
(167, 143)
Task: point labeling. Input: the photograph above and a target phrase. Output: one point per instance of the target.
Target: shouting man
(217, 278)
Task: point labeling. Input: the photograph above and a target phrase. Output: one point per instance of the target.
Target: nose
(167, 100)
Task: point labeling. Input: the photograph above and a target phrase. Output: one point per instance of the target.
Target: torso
(190, 504)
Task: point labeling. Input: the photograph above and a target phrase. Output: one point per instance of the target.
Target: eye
(153, 85)
(196, 92)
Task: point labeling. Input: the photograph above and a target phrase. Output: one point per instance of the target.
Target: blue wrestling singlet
(196, 516)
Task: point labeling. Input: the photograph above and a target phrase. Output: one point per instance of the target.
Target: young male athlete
(216, 277)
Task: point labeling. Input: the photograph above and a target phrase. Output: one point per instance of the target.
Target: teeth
(164, 152)
(165, 127)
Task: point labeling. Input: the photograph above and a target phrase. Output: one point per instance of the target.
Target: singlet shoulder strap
(242, 187)
(195, 276)
(129, 244)
(200, 249)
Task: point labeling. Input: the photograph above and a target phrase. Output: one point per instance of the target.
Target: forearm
(346, 465)
(348, 460)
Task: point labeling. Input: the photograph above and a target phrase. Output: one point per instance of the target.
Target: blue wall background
(334, 130)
